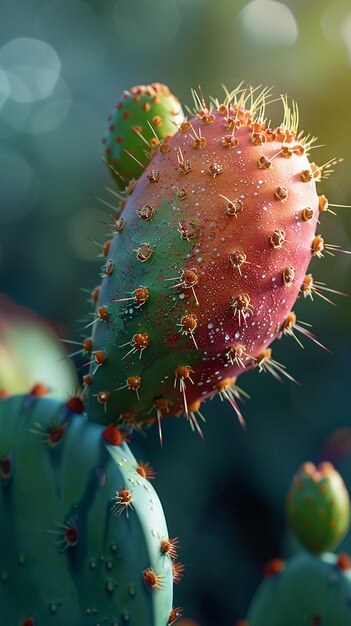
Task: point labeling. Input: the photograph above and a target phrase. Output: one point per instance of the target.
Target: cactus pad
(144, 116)
(80, 527)
(309, 591)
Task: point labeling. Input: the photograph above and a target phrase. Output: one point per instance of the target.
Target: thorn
(227, 389)
(264, 362)
(132, 384)
(104, 202)
(242, 307)
(114, 170)
(188, 280)
(134, 158)
(182, 372)
(139, 295)
(188, 324)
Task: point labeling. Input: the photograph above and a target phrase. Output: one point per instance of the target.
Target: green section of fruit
(144, 116)
(141, 340)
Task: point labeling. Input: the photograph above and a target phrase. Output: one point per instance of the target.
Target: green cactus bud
(145, 116)
(81, 528)
(318, 507)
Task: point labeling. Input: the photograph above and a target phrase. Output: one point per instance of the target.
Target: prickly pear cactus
(83, 539)
(145, 116)
(205, 264)
(318, 507)
(309, 589)
(30, 351)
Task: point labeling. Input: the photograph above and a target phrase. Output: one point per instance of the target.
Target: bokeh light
(5, 87)
(346, 34)
(32, 68)
(270, 23)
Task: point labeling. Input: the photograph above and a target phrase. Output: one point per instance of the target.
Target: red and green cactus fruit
(318, 507)
(143, 120)
(208, 260)
(309, 591)
(82, 531)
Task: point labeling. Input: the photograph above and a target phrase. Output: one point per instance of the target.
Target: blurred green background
(63, 65)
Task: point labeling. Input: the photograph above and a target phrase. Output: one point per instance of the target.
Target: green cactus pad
(159, 315)
(318, 507)
(80, 527)
(310, 591)
(144, 116)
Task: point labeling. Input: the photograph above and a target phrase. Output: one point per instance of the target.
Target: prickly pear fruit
(81, 528)
(318, 507)
(310, 590)
(143, 120)
(206, 264)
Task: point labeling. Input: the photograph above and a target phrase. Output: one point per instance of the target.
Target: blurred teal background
(63, 65)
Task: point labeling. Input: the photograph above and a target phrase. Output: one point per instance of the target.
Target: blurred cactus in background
(31, 353)
(314, 587)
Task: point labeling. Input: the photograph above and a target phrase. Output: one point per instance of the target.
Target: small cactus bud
(318, 507)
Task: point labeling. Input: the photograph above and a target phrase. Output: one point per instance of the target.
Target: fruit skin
(318, 507)
(311, 590)
(137, 108)
(243, 305)
(96, 576)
